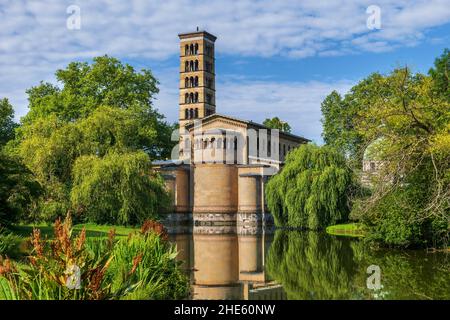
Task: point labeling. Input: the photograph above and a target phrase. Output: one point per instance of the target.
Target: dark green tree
(19, 190)
(7, 124)
(440, 74)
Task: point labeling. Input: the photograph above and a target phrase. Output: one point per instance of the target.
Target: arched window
(205, 144)
(186, 113)
(196, 81)
(196, 48)
(186, 98)
(186, 66)
(191, 113)
(186, 82)
(212, 143)
(191, 81)
(196, 65)
(186, 50)
(191, 97)
(196, 113)
(191, 65)
(192, 49)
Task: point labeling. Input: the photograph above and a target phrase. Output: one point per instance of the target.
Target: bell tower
(197, 76)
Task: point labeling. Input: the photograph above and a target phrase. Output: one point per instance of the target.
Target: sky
(273, 58)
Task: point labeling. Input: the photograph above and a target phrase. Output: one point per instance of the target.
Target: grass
(92, 230)
(347, 229)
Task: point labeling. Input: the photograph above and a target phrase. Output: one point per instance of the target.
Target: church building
(223, 162)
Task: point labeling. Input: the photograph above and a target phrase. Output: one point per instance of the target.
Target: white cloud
(298, 103)
(34, 40)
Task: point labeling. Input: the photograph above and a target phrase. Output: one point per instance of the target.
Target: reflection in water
(311, 266)
(225, 264)
(314, 265)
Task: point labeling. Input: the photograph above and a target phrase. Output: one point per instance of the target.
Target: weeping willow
(312, 189)
(118, 189)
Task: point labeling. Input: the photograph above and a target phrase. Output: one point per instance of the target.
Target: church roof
(248, 122)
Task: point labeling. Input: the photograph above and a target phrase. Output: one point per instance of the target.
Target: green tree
(18, 190)
(84, 87)
(98, 109)
(312, 190)
(117, 189)
(276, 123)
(7, 124)
(340, 117)
(18, 187)
(410, 204)
(440, 74)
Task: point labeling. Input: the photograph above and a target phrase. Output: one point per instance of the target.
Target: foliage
(340, 117)
(276, 123)
(157, 270)
(441, 75)
(83, 88)
(9, 243)
(312, 189)
(7, 124)
(18, 189)
(99, 109)
(68, 268)
(117, 189)
(410, 204)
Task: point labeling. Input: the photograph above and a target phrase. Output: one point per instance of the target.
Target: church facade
(222, 162)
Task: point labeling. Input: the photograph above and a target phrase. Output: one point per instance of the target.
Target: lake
(226, 262)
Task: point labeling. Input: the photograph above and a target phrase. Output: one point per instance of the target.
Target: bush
(9, 244)
(312, 190)
(65, 268)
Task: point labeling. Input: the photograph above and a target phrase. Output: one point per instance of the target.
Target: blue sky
(273, 58)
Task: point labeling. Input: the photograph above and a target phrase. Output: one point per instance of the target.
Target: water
(258, 264)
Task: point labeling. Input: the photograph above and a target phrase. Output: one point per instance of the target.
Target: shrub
(9, 244)
(66, 268)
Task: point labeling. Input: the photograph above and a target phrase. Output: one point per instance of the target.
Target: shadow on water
(227, 263)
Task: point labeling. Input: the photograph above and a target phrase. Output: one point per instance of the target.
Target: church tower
(197, 76)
